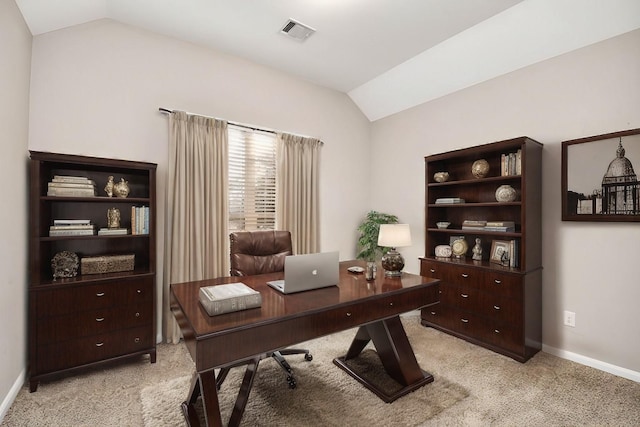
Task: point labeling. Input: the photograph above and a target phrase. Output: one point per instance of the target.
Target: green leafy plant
(368, 230)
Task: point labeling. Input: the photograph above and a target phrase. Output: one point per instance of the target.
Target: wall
(588, 267)
(96, 89)
(15, 48)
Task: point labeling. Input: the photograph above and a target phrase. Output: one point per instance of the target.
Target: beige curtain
(297, 191)
(196, 208)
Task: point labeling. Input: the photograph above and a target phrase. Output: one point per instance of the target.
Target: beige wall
(589, 268)
(96, 89)
(15, 59)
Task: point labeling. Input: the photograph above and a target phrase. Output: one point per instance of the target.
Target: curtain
(196, 207)
(297, 191)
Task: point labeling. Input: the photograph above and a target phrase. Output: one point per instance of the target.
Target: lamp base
(393, 263)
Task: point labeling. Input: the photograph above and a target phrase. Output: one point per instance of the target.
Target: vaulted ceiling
(387, 55)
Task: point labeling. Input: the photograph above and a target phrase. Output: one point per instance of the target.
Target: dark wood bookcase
(493, 305)
(89, 319)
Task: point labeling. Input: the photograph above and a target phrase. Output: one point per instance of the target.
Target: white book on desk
(220, 299)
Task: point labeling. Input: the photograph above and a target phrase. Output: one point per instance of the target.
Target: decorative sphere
(506, 193)
(441, 176)
(480, 168)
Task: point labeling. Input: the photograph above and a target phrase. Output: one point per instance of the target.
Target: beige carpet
(546, 391)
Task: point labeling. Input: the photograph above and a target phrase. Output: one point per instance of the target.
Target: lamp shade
(394, 235)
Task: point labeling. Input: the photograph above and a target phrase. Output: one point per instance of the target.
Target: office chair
(260, 252)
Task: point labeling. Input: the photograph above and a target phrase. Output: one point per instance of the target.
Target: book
(449, 200)
(71, 192)
(112, 231)
(220, 299)
(71, 222)
(497, 228)
(72, 227)
(77, 179)
(500, 224)
(70, 185)
(72, 232)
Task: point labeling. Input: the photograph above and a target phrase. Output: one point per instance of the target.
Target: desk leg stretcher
(396, 355)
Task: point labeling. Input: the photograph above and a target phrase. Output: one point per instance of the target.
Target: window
(252, 179)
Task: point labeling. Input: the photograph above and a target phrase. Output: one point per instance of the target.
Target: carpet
(325, 395)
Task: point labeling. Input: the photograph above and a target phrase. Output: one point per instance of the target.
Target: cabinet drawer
(55, 302)
(504, 335)
(507, 285)
(93, 322)
(85, 350)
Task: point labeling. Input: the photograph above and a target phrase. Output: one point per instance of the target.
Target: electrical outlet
(570, 318)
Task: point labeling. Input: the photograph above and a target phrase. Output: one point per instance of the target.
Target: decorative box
(107, 264)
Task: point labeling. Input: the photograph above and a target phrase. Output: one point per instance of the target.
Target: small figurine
(121, 189)
(477, 250)
(109, 187)
(113, 218)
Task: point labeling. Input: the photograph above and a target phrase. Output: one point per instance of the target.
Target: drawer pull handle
(137, 314)
(100, 294)
(497, 307)
(137, 340)
(348, 314)
(390, 304)
(465, 275)
(433, 313)
(498, 282)
(497, 331)
(139, 291)
(99, 319)
(464, 295)
(99, 344)
(432, 270)
(465, 320)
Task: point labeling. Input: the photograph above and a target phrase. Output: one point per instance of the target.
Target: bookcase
(496, 304)
(106, 309)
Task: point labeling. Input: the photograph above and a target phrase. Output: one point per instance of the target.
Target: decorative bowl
(441, 176)
(480, 168)
(506, 193)
(443, 224)
(443, 251)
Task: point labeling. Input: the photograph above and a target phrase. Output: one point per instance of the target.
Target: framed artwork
(599, 182)
(500, 252)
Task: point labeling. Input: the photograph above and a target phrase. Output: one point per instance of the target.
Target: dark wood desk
(284, 320)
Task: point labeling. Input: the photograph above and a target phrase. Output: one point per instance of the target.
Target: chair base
(278, 356)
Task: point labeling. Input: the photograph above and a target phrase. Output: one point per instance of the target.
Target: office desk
(284, 320)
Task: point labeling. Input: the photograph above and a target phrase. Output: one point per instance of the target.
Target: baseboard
(11, 396)
(597, 364)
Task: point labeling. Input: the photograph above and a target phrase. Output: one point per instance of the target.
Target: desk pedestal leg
(396, 355)
(204, 385)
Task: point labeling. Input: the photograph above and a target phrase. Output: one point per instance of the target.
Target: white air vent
(297, 30)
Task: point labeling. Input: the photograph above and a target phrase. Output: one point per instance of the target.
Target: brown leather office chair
(260, 252)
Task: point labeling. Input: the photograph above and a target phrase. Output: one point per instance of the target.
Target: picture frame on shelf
(500, 252)
(599, 182)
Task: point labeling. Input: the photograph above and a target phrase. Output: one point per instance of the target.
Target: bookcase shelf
(89, 319)
(487, 303)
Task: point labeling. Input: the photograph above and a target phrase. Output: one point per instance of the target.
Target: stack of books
(511, 164)
(72, 227)
(139, 219)
(220, 299)
(506, 226)
(473, 225)
(449, 200)
(71, 186)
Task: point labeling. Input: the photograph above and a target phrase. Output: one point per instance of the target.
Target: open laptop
(309, 271)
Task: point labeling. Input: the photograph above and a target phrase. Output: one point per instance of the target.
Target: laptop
(307, 272)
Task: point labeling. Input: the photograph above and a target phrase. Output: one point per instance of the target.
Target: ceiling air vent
(297, 30)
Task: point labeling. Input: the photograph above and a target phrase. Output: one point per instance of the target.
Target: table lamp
(393, 236)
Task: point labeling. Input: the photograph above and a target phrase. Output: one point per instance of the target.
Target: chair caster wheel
(308, 357)
(292, 382)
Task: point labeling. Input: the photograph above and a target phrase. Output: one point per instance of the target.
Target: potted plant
(368, 230)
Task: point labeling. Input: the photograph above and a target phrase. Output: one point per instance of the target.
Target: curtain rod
(167, 111)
